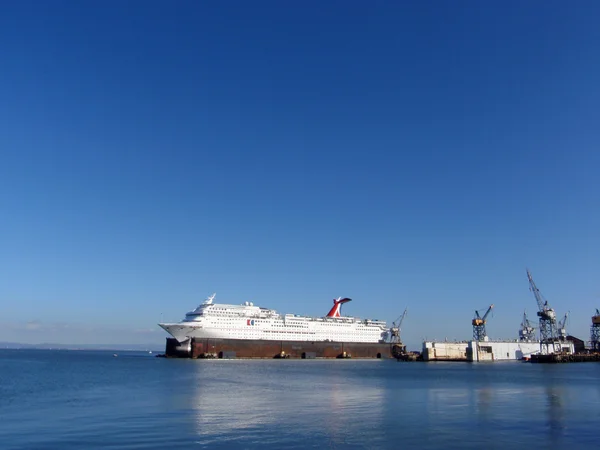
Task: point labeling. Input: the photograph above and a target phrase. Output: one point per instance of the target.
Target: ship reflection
(443, 400)
(226, 403)
(247, 398)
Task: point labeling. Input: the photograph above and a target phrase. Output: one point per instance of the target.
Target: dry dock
(565, 358)
(236, 348)
(474, 351)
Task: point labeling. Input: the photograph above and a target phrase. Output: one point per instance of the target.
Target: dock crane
(396, 329)
(479, 333)
(527, 331)
(562, 331)
(397, 348)
(548, 332)
(595, 331)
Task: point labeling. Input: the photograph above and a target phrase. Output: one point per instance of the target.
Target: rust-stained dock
(262, 349)
(560, 358)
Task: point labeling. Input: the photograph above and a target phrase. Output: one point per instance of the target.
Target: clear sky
(418, 154)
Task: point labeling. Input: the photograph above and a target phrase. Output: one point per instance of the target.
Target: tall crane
(562, 331)
(548, 332)
(396, 329)
(527, 331)
(479, 333)
(595, 331)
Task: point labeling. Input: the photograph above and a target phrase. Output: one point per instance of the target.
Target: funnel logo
(337, 307)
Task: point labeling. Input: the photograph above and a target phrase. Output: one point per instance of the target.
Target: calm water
(75, 399)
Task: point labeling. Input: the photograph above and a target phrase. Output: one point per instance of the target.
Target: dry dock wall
(445, 351)
(474, 351)
(235, 348)
(503, 351)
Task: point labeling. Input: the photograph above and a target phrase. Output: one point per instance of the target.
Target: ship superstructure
(249, 322)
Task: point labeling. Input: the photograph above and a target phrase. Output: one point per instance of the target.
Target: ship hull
(241, 348)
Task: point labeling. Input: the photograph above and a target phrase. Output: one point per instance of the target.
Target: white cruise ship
(249, 322)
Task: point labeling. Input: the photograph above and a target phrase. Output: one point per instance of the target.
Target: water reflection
(496, 403)
(555, 410)
(301, 404)
(484, 400)
(223, 401)
(157, 403)
(257, 398)
(443, 399)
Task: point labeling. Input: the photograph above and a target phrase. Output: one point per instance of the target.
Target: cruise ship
(249, 322)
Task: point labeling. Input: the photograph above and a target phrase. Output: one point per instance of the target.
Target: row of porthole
(343, 331)
(262, 321)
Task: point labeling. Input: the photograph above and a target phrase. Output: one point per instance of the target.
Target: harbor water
(94, 399)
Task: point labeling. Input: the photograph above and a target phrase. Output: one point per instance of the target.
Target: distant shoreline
(89, 347)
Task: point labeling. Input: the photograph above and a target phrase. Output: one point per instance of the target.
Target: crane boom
(562, 331)
(402, 318)
(398, 322)
(536, 292)
(394, 332)
(548, 329)
(487, 312)
(562, 323)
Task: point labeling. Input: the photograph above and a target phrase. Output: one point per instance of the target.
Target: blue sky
(401, 154)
